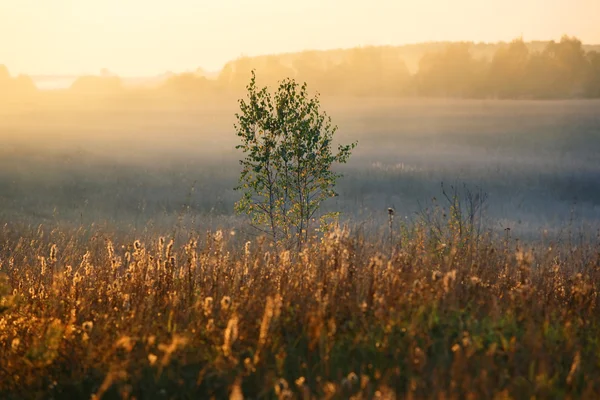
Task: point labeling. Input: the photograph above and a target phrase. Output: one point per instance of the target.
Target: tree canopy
(287, 170)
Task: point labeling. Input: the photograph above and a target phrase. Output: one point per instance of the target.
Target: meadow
(125, 274)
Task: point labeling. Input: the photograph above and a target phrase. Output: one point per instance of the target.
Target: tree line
(515, 70)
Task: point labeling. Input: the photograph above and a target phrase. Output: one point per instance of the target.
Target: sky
(149, 37)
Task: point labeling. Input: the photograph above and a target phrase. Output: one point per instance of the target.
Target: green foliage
(287, 165)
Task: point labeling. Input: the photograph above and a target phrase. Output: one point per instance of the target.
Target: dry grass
(447, 318)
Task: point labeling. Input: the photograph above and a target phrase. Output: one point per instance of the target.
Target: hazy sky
(146, 37)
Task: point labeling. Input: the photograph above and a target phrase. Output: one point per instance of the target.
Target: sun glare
(140, 37)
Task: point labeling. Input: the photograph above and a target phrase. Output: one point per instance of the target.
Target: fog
(155, 163)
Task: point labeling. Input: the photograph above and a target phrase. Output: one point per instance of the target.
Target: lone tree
(286, 169)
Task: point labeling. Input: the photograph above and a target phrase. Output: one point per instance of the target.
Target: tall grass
(445, 314)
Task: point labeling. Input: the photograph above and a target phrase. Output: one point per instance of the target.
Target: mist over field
(130, 164)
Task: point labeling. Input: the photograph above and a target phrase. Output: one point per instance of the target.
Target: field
(126, 274)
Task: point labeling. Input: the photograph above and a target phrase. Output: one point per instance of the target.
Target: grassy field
(125, 274)
(440, 316)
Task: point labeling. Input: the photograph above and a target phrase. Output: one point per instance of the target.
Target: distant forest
(515, 70)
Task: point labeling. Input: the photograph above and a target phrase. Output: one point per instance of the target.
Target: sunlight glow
(147, 37)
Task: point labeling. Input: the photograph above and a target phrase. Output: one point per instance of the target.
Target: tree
(451, 72)
(568, 61)
(286, 170)
(559, 70)
(19, 86)
(593, 75)
(188, 84)
(507, 73)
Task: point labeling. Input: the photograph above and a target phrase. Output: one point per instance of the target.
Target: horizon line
(98, 72)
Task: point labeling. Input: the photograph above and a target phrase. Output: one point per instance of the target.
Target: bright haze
(146, 37)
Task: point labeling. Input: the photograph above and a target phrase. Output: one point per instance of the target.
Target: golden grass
(84, 317)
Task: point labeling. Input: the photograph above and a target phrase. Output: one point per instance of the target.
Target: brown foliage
(341, 319)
